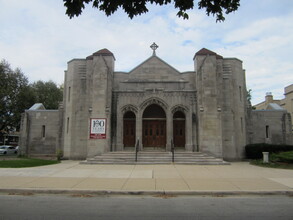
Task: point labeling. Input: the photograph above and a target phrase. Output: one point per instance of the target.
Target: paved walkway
(70, 176)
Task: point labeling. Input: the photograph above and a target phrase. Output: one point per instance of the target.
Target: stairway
(155, 157)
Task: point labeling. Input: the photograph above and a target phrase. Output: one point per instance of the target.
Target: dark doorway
(129, 129)
(179, 129)
(154, 127)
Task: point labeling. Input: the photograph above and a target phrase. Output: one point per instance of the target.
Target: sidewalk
(72, 177)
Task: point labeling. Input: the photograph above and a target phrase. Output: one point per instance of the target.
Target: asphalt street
(75, 206)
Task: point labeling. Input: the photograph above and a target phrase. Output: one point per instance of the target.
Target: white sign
(98, 128)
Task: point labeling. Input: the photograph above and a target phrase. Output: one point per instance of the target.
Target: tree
(47, 93)
(249, 91)
(15, 96)
(137, 7)
(249, 96)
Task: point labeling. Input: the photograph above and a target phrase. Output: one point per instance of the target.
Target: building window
(267, 131)
(67, 125)
(240, 93)
(69, 91)
(43, 131)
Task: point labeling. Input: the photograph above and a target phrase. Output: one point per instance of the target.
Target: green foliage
(26, 162)
(272, 165)
(133, 7)
(254, 151)
(47, 93)
(249, 95)
(15, 96)
(286, 157)
(59, 154)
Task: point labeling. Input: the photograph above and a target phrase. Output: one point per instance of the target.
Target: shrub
(254, 151)
(59, 154)
(286, 157)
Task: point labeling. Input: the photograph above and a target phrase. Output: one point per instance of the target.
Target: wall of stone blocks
(88, 94)
(40, 132)
(234, 105)
(270, 126)
(75, 119)
(209, 102)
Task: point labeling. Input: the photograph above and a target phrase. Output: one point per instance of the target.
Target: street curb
(139, 192)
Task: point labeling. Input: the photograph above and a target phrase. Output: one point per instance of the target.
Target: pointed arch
(154, 100)
(129, 125)
(181, 108)
(129, 107)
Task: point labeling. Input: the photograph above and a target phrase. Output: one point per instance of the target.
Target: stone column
(138, 127)
(188, 131)
(120, 122)
(169, 129)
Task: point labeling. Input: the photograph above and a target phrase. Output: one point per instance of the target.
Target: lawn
(279, 165)
(25, 162)
(282, 160)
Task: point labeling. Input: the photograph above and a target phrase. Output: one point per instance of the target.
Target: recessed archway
(179, 129)
(154, 127)
(129, 133)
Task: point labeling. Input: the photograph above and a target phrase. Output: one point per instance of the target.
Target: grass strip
(26, 162)
(279, 165)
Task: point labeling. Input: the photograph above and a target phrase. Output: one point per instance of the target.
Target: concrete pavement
(72, 177)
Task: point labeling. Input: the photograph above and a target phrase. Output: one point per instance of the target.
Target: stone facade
(286, 103)
(40, 132)
(270, 126)
(154, 104)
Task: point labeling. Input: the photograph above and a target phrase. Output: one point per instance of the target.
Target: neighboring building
(41, 131)
(285, 104)
(104, 110)
(10, 138)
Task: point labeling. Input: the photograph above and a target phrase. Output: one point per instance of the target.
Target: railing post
(172, 150)
(136, 149)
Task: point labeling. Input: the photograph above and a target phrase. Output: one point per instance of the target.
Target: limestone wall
(87, 94)
(39, 132)
(100, 81)
(287, 102)
(270, 126)
(234, 103)
(76, 110)
(209, 103)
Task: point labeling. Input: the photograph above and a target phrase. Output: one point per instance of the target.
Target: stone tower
(209, 101)
(221, 93)
(234, 108)
(87, 95)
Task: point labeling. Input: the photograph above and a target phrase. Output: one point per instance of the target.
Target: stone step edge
(154, 163)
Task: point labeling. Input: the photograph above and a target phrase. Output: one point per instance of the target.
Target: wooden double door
(154, 133)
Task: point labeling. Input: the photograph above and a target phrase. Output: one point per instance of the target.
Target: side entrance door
(129, 133)
(179, 133)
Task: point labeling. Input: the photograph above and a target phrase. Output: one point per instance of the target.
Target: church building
(153, 107)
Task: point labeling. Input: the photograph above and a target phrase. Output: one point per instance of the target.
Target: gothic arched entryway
(179, 129)
(129, 129)
(154, 127)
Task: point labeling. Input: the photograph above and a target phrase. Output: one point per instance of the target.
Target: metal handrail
(136, 149)
(172, 150)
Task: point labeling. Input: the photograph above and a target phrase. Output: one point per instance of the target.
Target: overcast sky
(38, 37)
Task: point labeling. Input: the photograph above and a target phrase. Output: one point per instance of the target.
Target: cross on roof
(154, 46)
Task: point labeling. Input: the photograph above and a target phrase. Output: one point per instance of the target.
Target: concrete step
(155, 157)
